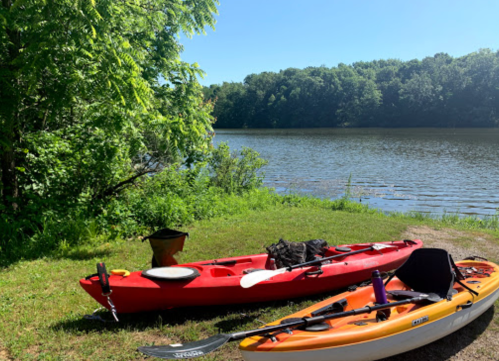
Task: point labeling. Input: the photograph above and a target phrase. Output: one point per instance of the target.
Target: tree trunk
(10, 191)
(9, 133)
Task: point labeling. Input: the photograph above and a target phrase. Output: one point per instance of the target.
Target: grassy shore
(42, 305)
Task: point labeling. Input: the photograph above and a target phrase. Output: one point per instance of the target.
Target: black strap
(389, 278)
(90, 276)
(457, 272)
(103, 278)
(410, 241)
(473, 258)
(469, 289)
(93, 275)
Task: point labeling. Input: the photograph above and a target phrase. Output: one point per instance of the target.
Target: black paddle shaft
(318, 319)
(309, 263)
(202, 347)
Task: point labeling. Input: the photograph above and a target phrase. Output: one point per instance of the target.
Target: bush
(236, 172)
(177, 197)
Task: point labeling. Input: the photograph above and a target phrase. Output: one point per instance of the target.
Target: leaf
(116, 56)
(94, 32)
(129, 61)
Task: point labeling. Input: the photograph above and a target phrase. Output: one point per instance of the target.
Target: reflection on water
(427, 170)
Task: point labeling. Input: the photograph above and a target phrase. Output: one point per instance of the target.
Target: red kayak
(218, 282)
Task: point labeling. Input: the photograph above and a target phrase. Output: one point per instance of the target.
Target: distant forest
(438, 91)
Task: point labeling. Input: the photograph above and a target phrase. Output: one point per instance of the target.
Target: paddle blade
(190, 350)
(379, 246)
(433, 297)
(253, 278)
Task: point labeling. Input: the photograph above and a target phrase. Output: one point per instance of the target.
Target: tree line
(438, 91)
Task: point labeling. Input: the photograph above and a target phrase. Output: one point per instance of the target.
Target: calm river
(427, 170)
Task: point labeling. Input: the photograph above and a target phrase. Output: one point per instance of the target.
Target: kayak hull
(408, 331)
(220, 284)
(384, 347)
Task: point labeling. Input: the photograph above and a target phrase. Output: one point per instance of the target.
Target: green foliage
(179, 196)
(438, 91)
(94, 96)
(456, 220)
(40, 238)
(174, 197)
(236, 172)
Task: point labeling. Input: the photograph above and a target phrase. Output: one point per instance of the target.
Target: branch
(115, 189)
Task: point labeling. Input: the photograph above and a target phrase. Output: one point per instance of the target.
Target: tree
(94, 95)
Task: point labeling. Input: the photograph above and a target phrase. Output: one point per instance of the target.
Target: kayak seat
(428, 270)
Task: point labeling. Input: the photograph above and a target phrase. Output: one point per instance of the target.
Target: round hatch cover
(343, 249)
(171, 273)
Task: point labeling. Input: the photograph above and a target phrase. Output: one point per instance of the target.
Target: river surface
(426, 170)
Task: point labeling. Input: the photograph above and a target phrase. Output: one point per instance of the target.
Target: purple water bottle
(379, 288)
(380, 294)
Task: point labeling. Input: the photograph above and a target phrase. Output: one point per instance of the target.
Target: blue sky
(253, 36)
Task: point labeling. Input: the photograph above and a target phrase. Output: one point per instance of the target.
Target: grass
(42, 304)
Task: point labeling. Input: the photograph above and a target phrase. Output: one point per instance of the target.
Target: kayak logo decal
(104, 280)
(419, 321)
(188, 354)
(369, 264)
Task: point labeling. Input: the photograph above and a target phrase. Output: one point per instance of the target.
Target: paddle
(202, 347)
(253, 278)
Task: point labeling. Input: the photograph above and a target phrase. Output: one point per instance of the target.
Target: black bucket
(165, 243)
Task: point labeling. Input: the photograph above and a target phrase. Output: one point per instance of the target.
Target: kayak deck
(353, 333)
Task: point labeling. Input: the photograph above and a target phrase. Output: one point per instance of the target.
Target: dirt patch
(459, 244)
(480, 339)
(147, 338)
(4, 355)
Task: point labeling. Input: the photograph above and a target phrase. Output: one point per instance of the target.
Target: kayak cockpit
(240, 266)
(230, 267)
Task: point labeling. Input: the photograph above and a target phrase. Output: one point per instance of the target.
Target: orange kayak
(364, 337)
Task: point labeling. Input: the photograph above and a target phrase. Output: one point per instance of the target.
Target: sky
(253, 36)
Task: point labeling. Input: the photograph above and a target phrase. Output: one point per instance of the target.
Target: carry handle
(312, 273)
(464, 306)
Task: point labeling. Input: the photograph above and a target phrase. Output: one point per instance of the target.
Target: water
(425, 170)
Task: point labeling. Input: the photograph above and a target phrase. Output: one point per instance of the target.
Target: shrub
(236, 172)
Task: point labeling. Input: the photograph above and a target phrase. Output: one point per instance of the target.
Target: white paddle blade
(378, 246)
(253, 278)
